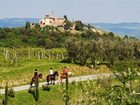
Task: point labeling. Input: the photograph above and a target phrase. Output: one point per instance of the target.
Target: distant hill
(130, 29)
(16, 22)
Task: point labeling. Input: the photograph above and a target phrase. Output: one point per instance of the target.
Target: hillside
(131, 29)
(86, 50)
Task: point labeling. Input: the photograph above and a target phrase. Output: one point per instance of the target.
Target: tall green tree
(27, 25)
(79, 25)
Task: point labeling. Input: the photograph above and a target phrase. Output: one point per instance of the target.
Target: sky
(113, 11)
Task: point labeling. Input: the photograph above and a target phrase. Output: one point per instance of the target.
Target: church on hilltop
(52, 21)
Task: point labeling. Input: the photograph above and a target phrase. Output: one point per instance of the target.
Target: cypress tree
(5, 101)
(36, 95)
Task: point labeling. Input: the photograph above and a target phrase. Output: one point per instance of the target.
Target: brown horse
(34, 79)
(52, 78)
(63, 76)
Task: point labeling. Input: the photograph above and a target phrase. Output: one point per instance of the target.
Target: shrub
(11, 92)
(46, 87)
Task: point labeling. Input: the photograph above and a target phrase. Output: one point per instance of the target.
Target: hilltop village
(52, 21)
(63, 24)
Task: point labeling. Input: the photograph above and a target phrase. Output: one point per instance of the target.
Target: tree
(42, 42)
(125, 50)
(126, 37)
(5, 101)
(65, 17)
(95, 52)
(110, 54)
(67, 25)
(79, 25)
(27, 25)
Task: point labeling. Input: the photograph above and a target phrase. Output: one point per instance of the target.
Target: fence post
(67, 88)
(5, 100)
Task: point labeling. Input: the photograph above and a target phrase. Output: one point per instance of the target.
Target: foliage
(79, 25)
(27, 25)
(106, 92)
(104, 49)
(46, 87)
(11, 92)
(67, 25)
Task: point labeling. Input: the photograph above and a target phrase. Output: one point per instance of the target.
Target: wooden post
(67, 88)
(62, 56)
(15, 57)
(49, 56)
(5, 101)
(29, 54)
(38, 55)
(37, 90)
(42, 55)
(6, 54)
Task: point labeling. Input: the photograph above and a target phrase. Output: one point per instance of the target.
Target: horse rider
(65, 71)
(51, 72)
(35, 73)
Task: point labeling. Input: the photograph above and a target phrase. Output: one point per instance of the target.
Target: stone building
(52, 21)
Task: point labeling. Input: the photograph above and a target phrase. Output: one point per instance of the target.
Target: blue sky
(86, 10)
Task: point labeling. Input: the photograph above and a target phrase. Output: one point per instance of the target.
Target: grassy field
(97, 92)
(21, 72)
(53, 97)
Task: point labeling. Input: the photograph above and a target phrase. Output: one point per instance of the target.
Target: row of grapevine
(15, 54)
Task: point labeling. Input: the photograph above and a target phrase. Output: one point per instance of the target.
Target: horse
(35, 78)
(52, 77)
(63, 76)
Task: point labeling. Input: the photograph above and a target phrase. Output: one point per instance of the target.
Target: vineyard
(17, 65)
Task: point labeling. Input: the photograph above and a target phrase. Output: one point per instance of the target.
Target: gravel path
(79, 78)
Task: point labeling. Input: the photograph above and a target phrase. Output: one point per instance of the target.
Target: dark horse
(52, 77)
(34, 79)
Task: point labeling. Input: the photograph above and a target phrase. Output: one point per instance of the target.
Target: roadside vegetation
(122, 89)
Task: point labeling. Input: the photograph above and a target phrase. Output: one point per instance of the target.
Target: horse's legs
(48, 83)
(31, 83)
(61, 79)
(47, 78)
(53, 82)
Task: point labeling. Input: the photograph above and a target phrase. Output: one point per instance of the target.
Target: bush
(66, 61)
(31, 90)
(11, 92)
(46, 87)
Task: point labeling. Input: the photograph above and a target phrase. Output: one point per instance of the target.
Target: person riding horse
(52, 77)
(35, 73)
(64, 73)
(51, 72)
(35, 78)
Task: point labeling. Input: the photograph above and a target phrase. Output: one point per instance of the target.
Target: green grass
(22, 74)
(52, 97)
(78, 92)
(25, 98)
